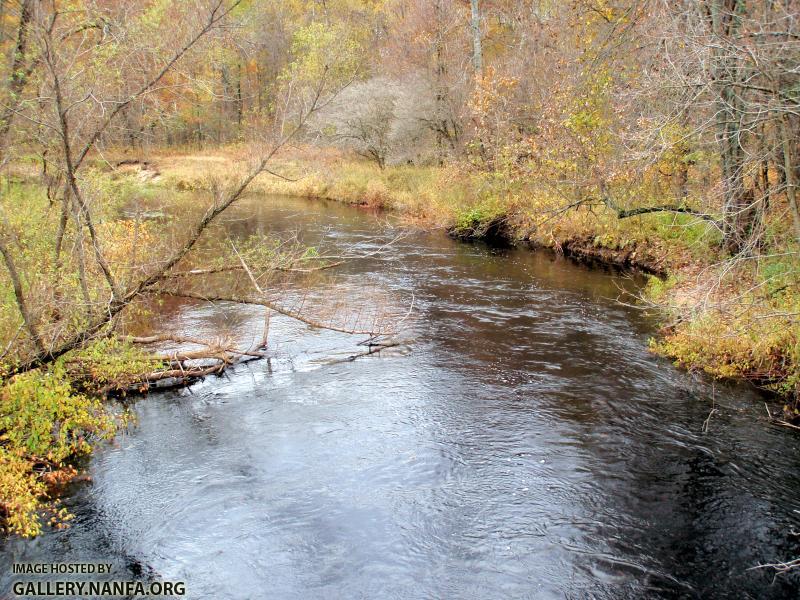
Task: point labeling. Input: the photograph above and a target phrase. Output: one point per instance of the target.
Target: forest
(653, 135)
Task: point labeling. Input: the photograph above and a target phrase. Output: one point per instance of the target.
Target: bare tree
(70, 108)
(380, 119)
(475, 26)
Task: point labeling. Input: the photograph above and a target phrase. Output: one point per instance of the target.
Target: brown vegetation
(664, 135)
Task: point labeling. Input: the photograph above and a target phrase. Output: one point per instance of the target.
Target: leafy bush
(20, 494)
(476, 220)
(43, 424)
(761, 344)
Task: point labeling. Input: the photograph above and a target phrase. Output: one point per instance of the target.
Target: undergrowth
(49, 419)
(748, 329)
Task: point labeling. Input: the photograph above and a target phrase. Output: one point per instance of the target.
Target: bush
(43, 424)
(20, 494)
(755, 344)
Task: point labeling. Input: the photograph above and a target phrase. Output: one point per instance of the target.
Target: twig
(780, 567)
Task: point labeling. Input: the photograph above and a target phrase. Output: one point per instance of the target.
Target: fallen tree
(73, 269)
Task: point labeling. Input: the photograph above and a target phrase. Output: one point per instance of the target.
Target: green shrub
(42, 422)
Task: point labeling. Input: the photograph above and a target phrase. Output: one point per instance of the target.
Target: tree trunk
(239, 99)
(475, 25)
(19, 72)
(19, 295)
(789, 174)
(727, 73)
(441, 91)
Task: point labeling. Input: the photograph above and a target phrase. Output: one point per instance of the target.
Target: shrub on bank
(741, 326)
(21, 493)
(44, 425)
(757, 341)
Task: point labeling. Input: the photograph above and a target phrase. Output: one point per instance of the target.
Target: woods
(653, 134)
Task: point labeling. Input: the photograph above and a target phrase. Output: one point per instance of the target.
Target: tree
(379, 119)
(74, 107)
(475, 25)
(736, 59)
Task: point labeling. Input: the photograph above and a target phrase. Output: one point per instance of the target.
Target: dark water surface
(520, 443)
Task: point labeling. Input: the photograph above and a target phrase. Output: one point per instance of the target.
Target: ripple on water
(523, 444)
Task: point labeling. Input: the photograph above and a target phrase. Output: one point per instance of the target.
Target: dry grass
(727, 322)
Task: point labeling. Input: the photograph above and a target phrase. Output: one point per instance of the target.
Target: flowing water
(521, 442)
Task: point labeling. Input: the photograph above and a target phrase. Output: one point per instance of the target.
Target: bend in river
(521, 442)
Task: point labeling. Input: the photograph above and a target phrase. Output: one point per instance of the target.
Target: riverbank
(515, 358)
(736, 321)
(466, 205)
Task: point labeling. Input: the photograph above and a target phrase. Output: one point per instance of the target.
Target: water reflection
(528, 446)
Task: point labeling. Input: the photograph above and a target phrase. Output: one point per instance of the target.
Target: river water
(520, 442)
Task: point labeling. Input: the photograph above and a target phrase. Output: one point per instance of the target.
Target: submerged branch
(297, 316)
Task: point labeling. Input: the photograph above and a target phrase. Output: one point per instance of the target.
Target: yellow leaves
(43, 422)
(491, 92)
(155, 13)
(251, 66)
(322, 51)
(20, 491)
(42, 416)
(493, 109)
(604, 10)
(127, 241)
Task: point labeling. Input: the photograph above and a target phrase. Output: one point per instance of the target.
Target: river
(520, 442)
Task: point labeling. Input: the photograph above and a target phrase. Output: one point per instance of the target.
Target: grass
(747, 328)
(740, 322)
(452, 198)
